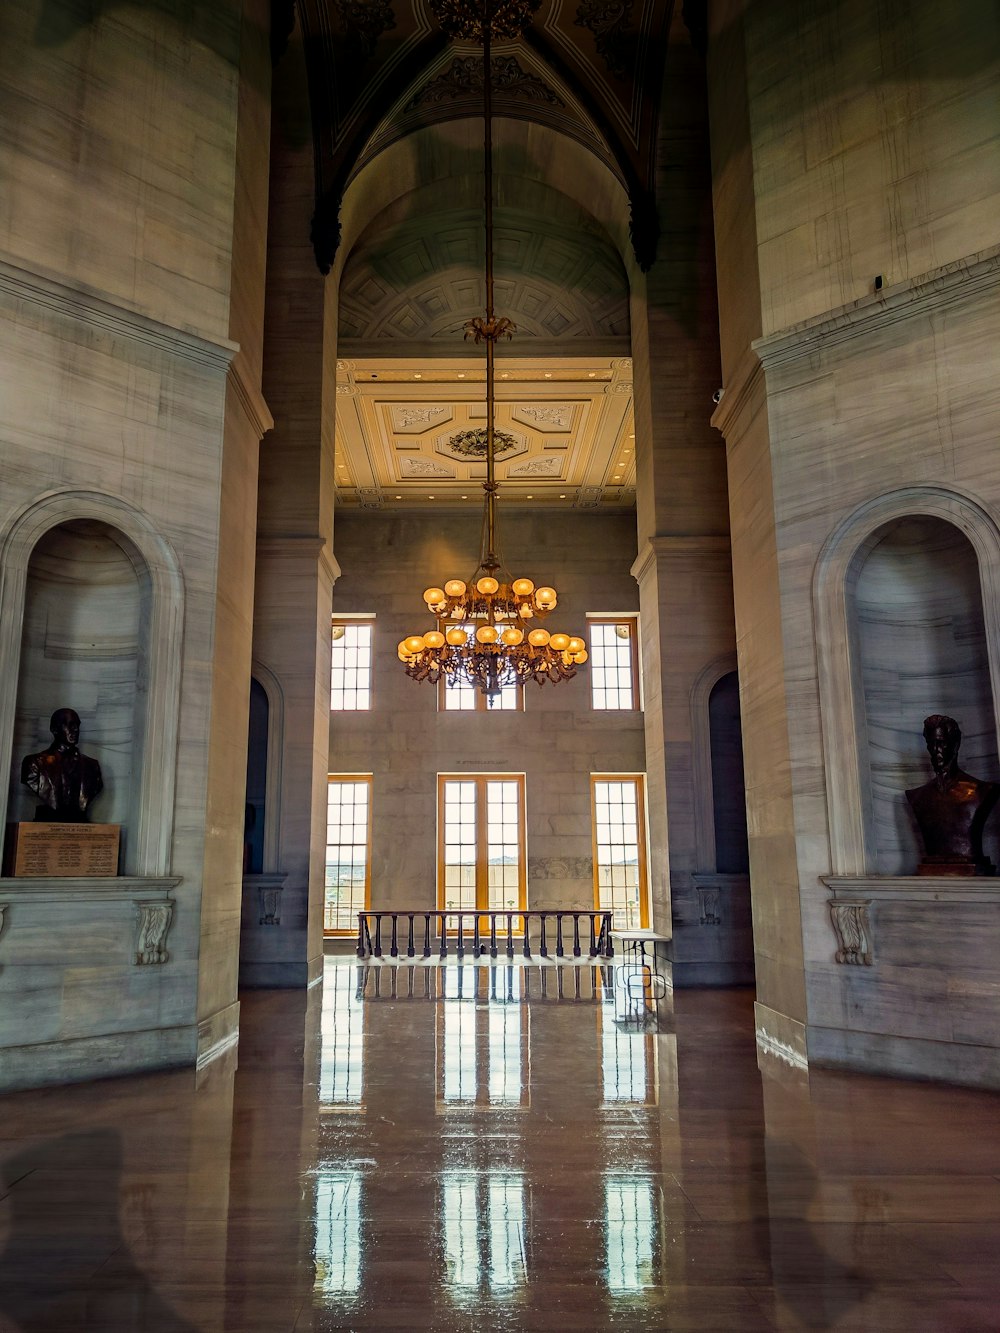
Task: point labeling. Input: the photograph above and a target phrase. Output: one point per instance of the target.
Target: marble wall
(855, 408)
(127, 401)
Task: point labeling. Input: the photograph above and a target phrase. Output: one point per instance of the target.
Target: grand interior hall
(499, 665)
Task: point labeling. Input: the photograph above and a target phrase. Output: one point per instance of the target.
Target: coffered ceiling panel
(569, 421)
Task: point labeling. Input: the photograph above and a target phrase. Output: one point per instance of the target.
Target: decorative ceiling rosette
(464, 20)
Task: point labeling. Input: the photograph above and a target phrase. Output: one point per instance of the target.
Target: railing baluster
(475, 936)
(427, 935)
(460, 949)
(593, 935)
(409, 941)
(525, 917)
(493, 934)
(378, 934)
(510, 934)
(394, 946)
(609, 951)
(576, 934)
(442, 921)
(361, 934)
(541, 941)
(559, 942)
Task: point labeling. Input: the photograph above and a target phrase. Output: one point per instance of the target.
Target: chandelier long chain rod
(490, 340)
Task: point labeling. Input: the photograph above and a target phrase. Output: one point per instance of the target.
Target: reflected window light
(628, 1055)
(482, 1049)
(460, 1206)
(338, 1232)
(484, 1229)
(630, 1233)
(508, 1266)
(459, 1059)
(341, 1076)
(505, 1035)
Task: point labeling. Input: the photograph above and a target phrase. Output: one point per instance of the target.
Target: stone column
(295, 566)
(683, 557)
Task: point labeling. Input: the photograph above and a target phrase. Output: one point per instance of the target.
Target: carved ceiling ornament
(364, 21)
(464, 19)
(610, 21)
(472, 443)
(464, 78)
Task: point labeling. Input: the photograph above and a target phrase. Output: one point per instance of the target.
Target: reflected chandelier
(492, 639)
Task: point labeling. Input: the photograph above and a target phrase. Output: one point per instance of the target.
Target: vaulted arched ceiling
(588, 68)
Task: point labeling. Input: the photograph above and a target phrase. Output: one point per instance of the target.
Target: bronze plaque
(53, 850)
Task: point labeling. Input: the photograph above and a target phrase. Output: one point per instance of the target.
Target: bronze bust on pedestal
(62, 778)
(951, 810)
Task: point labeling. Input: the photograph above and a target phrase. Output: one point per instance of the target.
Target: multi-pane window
(348, 860)
(351, 666)
(620, 850)
(614, 662)
(460, 697)
(481, 851)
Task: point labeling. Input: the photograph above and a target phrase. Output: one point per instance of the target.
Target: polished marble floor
(477, 1149)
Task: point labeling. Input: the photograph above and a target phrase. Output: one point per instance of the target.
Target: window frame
(631, 619)
(340, 933)
(641, 841)
(347, 620)
(482, 865)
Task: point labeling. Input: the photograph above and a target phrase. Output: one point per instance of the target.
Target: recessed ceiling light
(632, 436)
(465, 497)
(461, 374)
(592, 374)
(529, 497)
(548, 374)
(399, 497)
(418, 377)
(430, 497)
(562, 497)
(505, 376)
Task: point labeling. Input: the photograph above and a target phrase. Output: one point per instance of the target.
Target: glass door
(481, 862)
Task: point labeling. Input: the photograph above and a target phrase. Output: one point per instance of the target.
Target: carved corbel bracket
(270, 904)
(853, 927)
(708, 901)
(152, 924)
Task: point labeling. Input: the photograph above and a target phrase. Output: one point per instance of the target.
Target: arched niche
(916, 615)
(729, 807)
(906, 599)
(91, 617)
(264, 751)
(82, 648)
(256, 796)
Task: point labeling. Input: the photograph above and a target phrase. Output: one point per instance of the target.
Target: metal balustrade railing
(457, 934)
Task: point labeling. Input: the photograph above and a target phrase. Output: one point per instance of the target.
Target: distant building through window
(348, 853)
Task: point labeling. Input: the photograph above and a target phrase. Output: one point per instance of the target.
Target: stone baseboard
(905, 1057)
(108, 1056)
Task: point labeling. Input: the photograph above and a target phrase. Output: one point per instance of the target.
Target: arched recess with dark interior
(84, 646)
(729, 808)
(256, 800)
(915, 611)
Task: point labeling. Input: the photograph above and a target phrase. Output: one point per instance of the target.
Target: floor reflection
(498, 1148)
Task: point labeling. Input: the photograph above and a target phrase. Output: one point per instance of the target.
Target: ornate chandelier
(486, 634)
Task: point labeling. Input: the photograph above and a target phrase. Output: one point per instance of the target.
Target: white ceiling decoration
(570, 417)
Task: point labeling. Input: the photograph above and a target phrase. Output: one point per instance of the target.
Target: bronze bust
(62, 778)
(951, 810)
